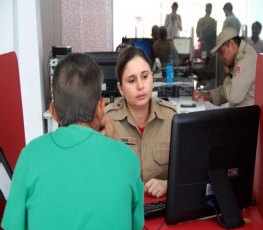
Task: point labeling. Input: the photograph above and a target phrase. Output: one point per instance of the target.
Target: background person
(123, 45)
(143, 122)
(75, 177)
(240, 59)
(206, 31)
(231, 20)
(255, 40)
(165, 50)
(155, 33)
(173, 22)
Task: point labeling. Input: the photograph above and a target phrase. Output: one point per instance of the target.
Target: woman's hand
(155, 187)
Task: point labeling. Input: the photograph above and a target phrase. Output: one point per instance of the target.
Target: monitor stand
(230, 213)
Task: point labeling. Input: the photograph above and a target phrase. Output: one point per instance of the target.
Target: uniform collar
(67, 137)
(241, 51)
(123, 113)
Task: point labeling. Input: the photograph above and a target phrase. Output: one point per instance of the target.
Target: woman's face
(137, 82)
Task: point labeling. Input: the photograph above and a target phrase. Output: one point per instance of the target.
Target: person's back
(75, 177)
(206, 31)
(206, 21)
(164, 49)
(231, 20)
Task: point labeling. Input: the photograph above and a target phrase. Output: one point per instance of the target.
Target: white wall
(22, 34)
(6, 19)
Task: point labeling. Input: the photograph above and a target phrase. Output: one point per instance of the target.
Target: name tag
(129, 140)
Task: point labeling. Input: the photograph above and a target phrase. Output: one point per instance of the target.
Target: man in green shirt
(76, 177)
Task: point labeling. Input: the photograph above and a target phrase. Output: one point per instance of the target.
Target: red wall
(258, 182)
(12, 136)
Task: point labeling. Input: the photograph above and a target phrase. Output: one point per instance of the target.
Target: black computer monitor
(107, 62)
(207, 141)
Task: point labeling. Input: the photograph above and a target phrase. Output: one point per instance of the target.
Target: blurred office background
(32, 27)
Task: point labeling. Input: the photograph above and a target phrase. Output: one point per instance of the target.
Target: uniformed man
(240, 71)
(206, 31)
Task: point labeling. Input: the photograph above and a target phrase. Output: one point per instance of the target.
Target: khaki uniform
(153, 147)
(240, 90)
(203, 23)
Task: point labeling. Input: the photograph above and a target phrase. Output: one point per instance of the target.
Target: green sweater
(75, 178)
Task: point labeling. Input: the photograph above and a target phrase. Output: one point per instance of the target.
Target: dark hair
(155, 32)
(76, 88)
(237, 40)
(228, 7)
(175, 5)
(127, 55)
(162, 32)
(258, 24)
(155, 28)
(208, 7)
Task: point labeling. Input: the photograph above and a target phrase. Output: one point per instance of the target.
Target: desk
(252, 214)
(52, 125)
(186, 100)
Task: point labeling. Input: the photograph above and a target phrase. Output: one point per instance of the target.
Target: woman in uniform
(143, 121)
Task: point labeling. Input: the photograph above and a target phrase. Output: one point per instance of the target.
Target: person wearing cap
(240, 60)
(231, 20)
(173, 22)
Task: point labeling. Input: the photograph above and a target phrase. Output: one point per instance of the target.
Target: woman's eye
(131, 80)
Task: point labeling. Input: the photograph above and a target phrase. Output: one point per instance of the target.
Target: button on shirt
(240, 89)
(153, 146)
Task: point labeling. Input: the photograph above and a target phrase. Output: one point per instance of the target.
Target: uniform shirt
(232, 21)
(203, 23)
(166, 52)
(153, 146)
(75, 178)
(240, 90)
(257, 45)
(206, 31)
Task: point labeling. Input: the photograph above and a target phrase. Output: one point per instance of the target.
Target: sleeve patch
(238, 69)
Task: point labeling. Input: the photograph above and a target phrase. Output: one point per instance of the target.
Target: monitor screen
(107, 62)
(224, 139)
(183, 47)
(146, 44)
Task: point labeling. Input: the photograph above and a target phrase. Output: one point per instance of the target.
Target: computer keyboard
(154, 209)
